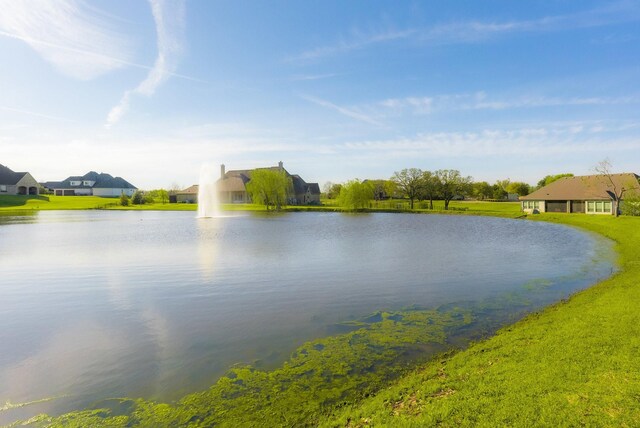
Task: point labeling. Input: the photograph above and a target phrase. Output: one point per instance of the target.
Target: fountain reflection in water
(208, 205)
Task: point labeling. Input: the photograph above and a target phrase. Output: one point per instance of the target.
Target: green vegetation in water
(319, 376)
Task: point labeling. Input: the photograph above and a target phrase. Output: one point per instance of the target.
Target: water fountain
(208, 193)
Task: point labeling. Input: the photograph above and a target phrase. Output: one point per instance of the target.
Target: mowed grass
(576, 363)
(51, 202)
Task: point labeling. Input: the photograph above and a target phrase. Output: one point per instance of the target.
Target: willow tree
(355, 195)
(270, 187)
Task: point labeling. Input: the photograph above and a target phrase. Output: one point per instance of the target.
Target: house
(232, 187)
(591, 194)
(17, 183)
(93, 184)
(188, 195)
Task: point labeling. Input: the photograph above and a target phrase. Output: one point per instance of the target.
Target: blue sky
(151, 90)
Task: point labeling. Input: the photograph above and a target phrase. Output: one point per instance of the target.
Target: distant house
(93, 184)
(591, 194)
(232, 187)
(188, 195)
(17, 183)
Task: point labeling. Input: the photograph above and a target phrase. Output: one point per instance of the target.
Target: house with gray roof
(93, 184)
(17, 183)
(591, 194)
(232, 187)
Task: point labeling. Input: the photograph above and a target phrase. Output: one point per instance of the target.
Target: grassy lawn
(51, 202)
(575, 363)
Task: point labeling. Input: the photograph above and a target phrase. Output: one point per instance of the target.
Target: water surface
(99, 304)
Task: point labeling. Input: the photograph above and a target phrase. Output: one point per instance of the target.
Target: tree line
(416, 184)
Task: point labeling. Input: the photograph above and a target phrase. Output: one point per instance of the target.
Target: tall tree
(269, 187)
(355, 195)
(430, 186)
(482, 190)
(409, 182)
(452, 184)
(519, 188)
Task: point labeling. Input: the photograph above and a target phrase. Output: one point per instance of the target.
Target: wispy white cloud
(420, 105)
(342, 110)
(314, 76)
(568, 138)
(74, 37)
(477, 31)
(35, 114)
(169, 20)
(355, 41)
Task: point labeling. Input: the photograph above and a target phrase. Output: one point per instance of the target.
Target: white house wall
(112, 192)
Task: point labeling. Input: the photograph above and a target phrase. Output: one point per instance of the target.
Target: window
(74, 183)
(531, 205)
(599, 207)
(3, 187)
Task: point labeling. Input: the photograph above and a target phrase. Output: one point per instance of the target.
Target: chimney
(222, 171)
(280, 165)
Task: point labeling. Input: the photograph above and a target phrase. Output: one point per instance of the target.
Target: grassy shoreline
(30, 204)
(572, 363)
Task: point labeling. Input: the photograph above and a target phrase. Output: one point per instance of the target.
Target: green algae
(320, 376)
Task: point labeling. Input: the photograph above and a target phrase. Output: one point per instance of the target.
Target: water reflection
(156, 304)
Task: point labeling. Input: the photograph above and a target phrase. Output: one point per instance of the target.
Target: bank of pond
(429, 355)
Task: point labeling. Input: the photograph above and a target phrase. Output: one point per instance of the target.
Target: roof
(588, 187)
(314, 188)
(233, 183)
(236, 180)
(102, 181)
(191, 190)
(7, 176)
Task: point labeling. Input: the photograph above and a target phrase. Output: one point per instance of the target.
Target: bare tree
(614, 190)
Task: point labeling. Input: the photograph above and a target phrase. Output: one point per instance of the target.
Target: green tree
(551, 178)
(430, 187)
(355, 195)
(156, 195)
(452, 184)
(137, 198)
(270, 187)
(500, 189)
(482, 190)
(409, 182)
(163, 195)
(124, 200)
(522, 189)
(631, 205)
(331, 190)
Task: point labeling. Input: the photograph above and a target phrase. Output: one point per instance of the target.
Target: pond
(100, 304)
